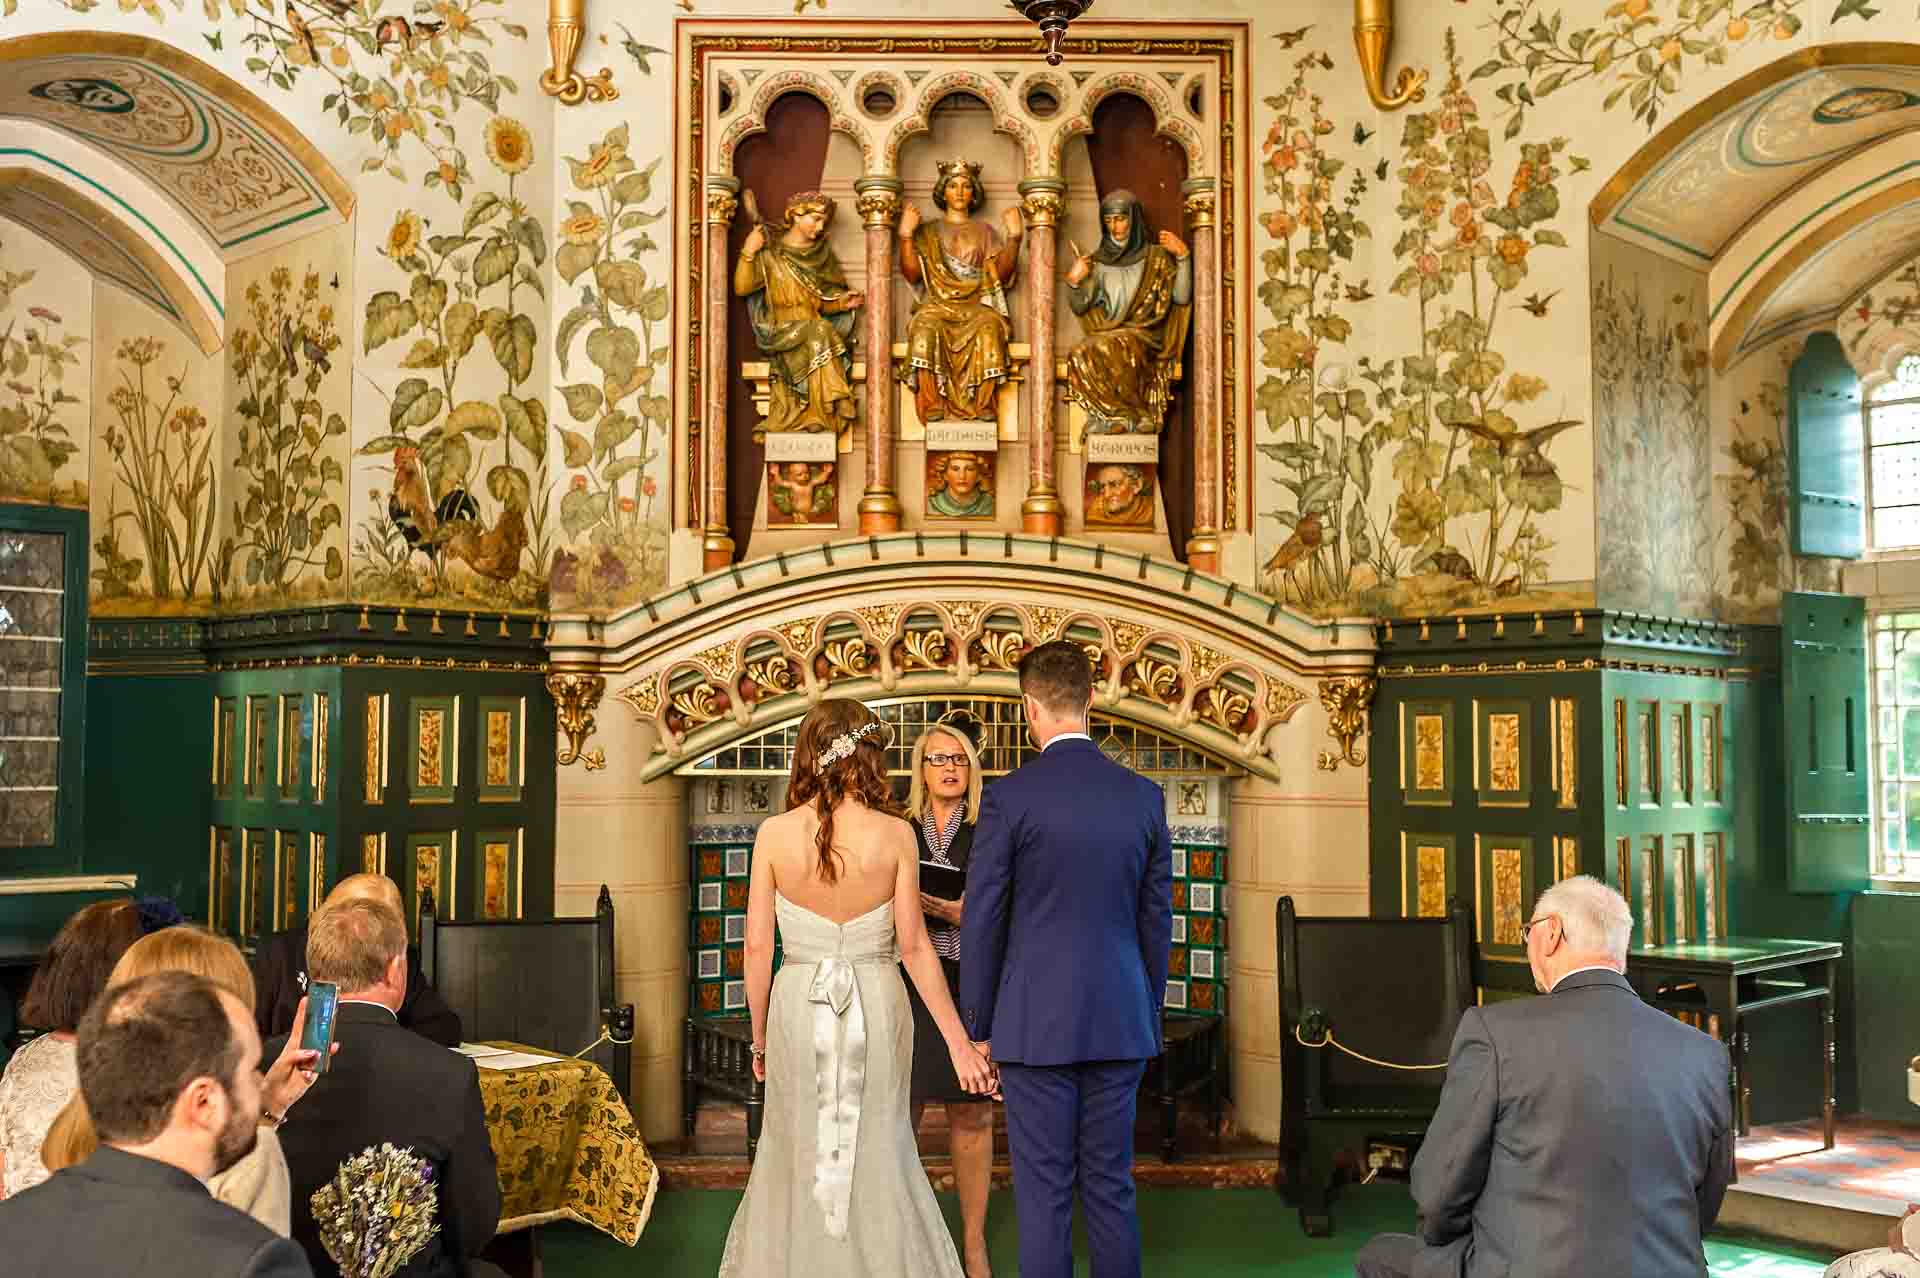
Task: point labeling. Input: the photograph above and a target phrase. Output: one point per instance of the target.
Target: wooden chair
(1393, 989)
(545, 983)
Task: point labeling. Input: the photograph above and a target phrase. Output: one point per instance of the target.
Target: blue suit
(1063, 965)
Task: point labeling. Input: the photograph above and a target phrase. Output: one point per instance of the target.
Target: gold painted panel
(430, 765)
(1710, 753)
(1566, 856)
(376, 737)
(427, 858)
(1623, 866)
(321, 710)
(1714, 850)
(1503, 753)
(1683, 896)
(292, 730)
(1651, 880)
(496, 882)
(222, 879)
(1431, 880)
(288, 855)
(316, 871)
(1680, 752)
(499, 747)
(1508, 905)
(1429, 752)
(373, 853)
(1620, 752)
(1566, 753)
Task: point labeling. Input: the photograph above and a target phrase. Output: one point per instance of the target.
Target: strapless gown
(837, 1189)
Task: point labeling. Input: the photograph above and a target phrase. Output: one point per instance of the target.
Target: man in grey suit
(170, 1068)
(1581, 1133)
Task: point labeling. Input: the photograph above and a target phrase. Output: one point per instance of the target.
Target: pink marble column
(1203, 547)
(879, 205)
(1043, 199)
(717, 543)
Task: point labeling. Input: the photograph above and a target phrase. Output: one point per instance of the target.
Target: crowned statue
(1134, 297)
(803, 312)
(960, 269)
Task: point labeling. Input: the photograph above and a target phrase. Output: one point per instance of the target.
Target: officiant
(943, 803)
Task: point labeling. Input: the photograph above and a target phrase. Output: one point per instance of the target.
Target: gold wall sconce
(1372, 38)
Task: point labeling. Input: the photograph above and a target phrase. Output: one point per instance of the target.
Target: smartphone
(323, 998)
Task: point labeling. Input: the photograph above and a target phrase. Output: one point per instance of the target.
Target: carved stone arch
(981, 85)
(1169, 120)
(820, 87)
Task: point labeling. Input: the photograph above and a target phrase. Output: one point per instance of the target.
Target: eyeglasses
(1526, 929)
(948, 760)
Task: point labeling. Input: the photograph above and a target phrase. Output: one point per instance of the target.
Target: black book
(942, 881)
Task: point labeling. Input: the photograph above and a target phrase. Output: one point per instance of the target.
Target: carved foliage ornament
(1346, 699)
(575, 696)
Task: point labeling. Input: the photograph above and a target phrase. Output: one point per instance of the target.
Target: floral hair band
(843, 745)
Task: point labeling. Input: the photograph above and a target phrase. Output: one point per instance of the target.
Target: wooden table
(1731, 979)
(1188, 1064)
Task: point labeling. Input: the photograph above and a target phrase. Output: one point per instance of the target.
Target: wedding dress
(837, 1189)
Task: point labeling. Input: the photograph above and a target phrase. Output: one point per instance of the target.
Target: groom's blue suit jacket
(1069, 912)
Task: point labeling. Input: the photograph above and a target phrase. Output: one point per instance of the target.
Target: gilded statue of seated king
(960, 268)
(1134, 297)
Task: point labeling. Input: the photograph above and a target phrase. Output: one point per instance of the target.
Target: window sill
(1878, 883)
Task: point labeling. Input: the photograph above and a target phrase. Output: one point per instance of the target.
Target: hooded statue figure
(1134, 297)
(802, 312)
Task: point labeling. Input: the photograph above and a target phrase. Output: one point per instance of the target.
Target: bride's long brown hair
(861, 775)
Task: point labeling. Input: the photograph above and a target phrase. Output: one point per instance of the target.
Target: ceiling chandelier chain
(1052, 17)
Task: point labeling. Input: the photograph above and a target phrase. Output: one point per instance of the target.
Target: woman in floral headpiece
(837, 1187)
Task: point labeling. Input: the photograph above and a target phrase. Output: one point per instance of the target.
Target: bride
(833, 1034)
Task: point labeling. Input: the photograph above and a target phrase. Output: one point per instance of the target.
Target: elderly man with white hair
(1578, 1133)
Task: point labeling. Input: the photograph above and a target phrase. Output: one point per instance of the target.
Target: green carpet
(1188, 1233)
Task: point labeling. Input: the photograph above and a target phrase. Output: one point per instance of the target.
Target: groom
(1063, 966)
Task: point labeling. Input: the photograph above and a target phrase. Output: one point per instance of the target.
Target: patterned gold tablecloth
(567, 1148)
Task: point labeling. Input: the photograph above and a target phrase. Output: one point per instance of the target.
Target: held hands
(759, 1062)
(290, 1076)
(1173, 244)
(755, 241)
(909, 220)
(941, 908)
(973, 1066)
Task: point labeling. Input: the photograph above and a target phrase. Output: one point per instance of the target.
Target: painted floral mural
(43, 423)
(622, 425)
(465, 514)
(1464, 431)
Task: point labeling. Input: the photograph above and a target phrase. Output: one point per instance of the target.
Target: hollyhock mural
(46, 315)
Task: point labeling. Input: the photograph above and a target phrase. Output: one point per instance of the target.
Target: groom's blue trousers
(1071, 1127)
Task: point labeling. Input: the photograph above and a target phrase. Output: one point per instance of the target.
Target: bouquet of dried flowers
(377, 1212)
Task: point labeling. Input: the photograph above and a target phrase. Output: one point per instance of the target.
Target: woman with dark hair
(44, 1074)
(837, 1187)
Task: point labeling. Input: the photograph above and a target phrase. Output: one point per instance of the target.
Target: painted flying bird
(1306, 538)
(1537, 305)
(216, 41)
(315, 352)
(1380, 171)
(1288, 39)
(287, 347)
(637, 51)
(1522, 447)
(300, 29)
(1361, 133)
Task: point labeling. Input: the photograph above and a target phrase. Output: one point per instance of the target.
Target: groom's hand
(985, 1048)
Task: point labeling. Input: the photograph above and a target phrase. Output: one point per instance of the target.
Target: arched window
(1893, 459)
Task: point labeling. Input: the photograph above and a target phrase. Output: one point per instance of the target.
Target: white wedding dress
(837, 1189)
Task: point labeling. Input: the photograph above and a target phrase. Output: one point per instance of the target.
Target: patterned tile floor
(1873, 1166)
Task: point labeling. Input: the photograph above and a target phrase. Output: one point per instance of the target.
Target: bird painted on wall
(288, 349)
(338, 8)
(1522, 447)
(637, 51)
(316, 353)
(494, 552)
(1308, 532)
(301, 31)
(1288, 39)
(1537, 305)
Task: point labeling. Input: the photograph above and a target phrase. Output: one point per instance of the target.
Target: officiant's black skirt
(933, 1076)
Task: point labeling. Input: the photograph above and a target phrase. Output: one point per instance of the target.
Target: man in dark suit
(280, 973)
(387, 1085)
(1582, 1132)
(1063, 966)
(169, 1066)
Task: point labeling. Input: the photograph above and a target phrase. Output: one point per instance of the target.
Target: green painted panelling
(1824, 685)
(148, 739)
(1886, 953)
(1826, 452)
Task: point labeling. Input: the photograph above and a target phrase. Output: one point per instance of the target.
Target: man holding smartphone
(387, 1085)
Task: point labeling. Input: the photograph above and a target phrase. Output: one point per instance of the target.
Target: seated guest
(280, 975)
(258, 1184)
(169, 1065)
(1580, 1133)
(389, 1086)
(41, 1078)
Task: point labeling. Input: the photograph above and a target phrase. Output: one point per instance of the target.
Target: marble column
(717, 542)
(879, 205)
(1042, 199)
(1203, 547)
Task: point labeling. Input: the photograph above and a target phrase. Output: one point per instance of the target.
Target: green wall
(1886, 959)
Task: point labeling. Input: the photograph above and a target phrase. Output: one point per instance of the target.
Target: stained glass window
(1894, 744)
(1893, 458)
(32, 647)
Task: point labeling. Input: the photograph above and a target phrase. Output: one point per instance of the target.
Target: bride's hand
(760, 1066)
(972, 1069)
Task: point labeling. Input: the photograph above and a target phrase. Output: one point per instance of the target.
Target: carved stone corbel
(1372, 37)
(1346, 699)
(575, 696)
(566, 27)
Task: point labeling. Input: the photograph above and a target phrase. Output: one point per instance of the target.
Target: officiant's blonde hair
(917, 798)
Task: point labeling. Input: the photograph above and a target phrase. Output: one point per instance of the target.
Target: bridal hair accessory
(843, 745)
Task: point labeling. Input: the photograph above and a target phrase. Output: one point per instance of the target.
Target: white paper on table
(479, 1049)
(513, 1060)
